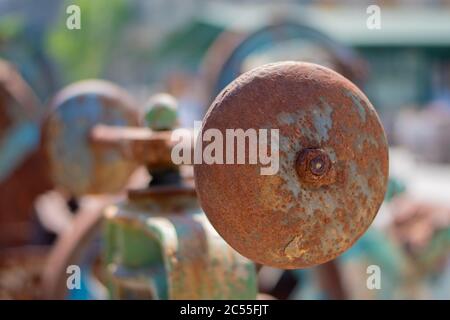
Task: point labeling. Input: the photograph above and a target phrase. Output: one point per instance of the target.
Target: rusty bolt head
(321, 200)
(314, 167)
(319, 165)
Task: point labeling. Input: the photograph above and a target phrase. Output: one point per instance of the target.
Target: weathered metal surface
(152, 148)
(282, 220)
(20, 272)
(22, 157)
(17, 197)
(78, 165)
(161, 246)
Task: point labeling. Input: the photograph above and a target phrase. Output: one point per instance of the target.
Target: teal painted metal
(162, 113)
(164, 248)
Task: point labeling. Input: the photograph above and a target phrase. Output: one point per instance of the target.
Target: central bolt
(314, 167)
(318, 165)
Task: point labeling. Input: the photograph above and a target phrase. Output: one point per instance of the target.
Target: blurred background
(192, 49)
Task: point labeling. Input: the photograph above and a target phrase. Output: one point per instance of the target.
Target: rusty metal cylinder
(331, 173)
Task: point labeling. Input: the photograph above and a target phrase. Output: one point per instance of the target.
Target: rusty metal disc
(78, 165)
(333, 166)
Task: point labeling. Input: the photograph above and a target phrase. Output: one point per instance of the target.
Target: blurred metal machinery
(22, 157)
(158, 243)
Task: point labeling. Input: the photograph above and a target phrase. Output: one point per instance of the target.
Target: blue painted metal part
(78, 165)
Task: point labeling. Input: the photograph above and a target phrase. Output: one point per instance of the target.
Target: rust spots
(321, 200)
(295, 248)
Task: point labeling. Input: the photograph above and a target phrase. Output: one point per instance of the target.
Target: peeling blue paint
(322, 120)
(360, 180)
(359, 105)
(75, 118)
(286, 118)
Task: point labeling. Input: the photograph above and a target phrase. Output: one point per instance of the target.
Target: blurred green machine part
(165, 248)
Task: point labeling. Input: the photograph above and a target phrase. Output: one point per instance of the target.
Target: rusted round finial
(315, 168)
(326, 184)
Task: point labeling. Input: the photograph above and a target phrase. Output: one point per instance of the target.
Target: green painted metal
(164, 248)
(162, 113)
